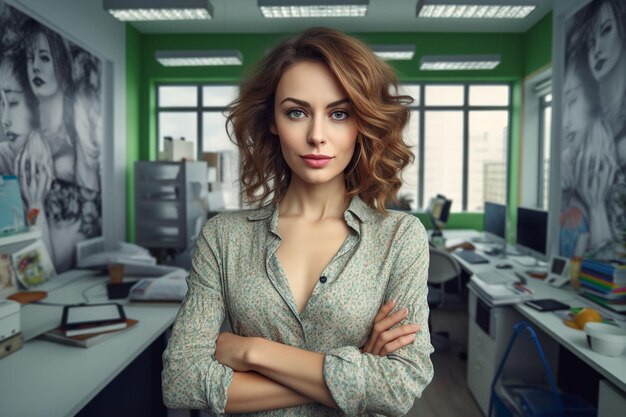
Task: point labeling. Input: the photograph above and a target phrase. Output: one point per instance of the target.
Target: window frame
(542, 202)
(199, 109)
(422, 108)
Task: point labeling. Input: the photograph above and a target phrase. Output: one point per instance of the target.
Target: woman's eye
(295, 114)
(606, 30)
(339, 115)
(13, 103)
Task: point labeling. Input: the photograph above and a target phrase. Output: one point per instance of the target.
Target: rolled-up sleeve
(364, 383)
(191, 377)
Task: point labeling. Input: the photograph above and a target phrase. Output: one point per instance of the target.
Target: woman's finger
(393, 334)
(398, 343)
(384, 310)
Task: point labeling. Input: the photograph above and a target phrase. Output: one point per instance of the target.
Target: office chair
(442, 268)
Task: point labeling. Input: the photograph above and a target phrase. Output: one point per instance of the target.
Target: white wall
(85, 23)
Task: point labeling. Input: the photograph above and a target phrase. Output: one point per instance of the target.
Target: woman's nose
(316, 135)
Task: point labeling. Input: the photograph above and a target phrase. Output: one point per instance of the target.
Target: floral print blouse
(236, 276)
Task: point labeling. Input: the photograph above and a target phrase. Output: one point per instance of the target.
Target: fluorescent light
(198, 58)
(475, 9)
(394, 52)
(312, 8)
(138, 10)
(459, 62)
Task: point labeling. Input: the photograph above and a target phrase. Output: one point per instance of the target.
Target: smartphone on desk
(547, 305)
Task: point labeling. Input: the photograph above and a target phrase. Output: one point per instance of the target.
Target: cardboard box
(179, 150)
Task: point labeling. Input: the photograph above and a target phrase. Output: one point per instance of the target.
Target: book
(91, 329)
(500, 293)
(85, 340)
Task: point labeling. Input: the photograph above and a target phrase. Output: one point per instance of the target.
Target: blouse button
(323, 279)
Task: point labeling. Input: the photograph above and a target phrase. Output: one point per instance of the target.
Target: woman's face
(314, 122)
(41, 73)
(576, 111)
(605, 47)
(14, 111)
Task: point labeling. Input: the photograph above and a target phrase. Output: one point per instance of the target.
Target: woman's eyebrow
(307, 104)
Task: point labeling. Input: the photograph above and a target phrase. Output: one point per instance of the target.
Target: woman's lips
(599, 64)
(38, 81)
(317, 161)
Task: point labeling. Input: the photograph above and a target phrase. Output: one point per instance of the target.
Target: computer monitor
(494, 222)
(532, 232)
(438, 210)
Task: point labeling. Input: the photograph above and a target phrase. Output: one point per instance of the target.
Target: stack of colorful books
(604, 282)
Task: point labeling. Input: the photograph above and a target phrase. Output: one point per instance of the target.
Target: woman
(606, 55)
(605, 184)
(65, 122)
(18, 109)
(306, 281)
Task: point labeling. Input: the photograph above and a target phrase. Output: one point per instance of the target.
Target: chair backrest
(443, 267)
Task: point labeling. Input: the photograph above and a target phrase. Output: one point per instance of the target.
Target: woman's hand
(231, 350)
(34, 169)
(383, 339)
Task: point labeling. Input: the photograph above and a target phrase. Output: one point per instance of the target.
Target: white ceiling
(243, 16)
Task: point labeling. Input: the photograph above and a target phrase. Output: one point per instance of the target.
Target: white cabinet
(490, 329)
(170, 203)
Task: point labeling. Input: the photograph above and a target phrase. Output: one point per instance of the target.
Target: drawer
(482, 343)
(163, 211)
(150, 171)
(479, 377)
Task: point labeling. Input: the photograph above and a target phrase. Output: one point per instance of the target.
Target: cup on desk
(116, 273)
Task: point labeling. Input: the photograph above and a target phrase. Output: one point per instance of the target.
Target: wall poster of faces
(593, 147)
(51, 130)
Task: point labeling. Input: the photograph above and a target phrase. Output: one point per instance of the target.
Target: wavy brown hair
(380, 155)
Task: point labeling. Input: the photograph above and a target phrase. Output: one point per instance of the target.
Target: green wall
(144, 73)
(538, 46)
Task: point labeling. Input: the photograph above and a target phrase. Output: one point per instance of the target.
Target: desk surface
(614, 369)
(50, 379)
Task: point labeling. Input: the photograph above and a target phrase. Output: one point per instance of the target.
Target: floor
(448, 395)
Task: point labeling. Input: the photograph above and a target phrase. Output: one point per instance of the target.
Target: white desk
(613, 369)
(51, 379)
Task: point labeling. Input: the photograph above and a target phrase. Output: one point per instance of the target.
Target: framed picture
(33, 265)
(590, 125)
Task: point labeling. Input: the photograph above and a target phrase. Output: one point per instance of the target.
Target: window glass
(178, 125)
(218, 95)
(443, 156)
(547, 139)
(487, 158)
(178, 96)
(408, 193)
(444, 95)
(489, 95)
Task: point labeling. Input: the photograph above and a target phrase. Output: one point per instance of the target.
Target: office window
(461, 136)
(197, 113)
(545, 138)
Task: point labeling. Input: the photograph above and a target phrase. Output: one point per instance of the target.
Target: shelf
(20, 237)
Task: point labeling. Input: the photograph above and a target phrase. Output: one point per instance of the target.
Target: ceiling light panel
(476, 9)
(153, 10)
(311, 8)
(394, 52)
(456, 63)
(198, 58)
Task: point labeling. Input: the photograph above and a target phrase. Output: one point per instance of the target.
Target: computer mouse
(504, 266)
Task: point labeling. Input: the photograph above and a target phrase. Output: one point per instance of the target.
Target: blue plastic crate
(533, 401)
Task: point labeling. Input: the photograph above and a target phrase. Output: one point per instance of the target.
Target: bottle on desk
(575, 272)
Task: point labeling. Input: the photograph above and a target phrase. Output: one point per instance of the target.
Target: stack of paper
(500, 293)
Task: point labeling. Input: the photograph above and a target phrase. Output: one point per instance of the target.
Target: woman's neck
(51, 113)
(613, 86)
(314, 201)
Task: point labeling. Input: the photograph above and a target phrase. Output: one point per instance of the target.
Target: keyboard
(471, 257)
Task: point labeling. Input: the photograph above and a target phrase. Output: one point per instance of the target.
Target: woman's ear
(273, 128)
